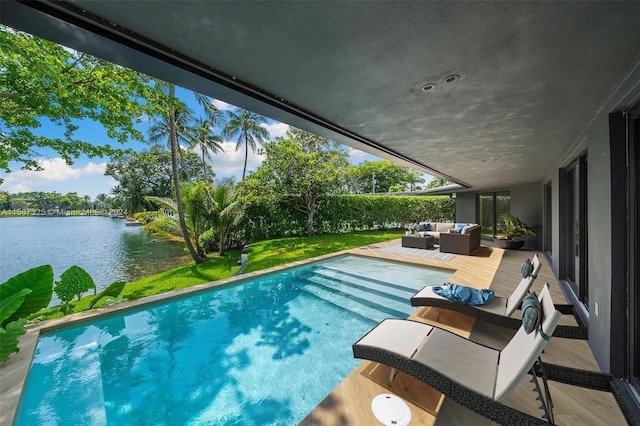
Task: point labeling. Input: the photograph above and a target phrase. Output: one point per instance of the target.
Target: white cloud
(356, 156)
(276, 129)
(231, 162)
(58, 176)
(94, 169)
(223, 106)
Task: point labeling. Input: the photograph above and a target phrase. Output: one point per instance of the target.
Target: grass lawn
(262, 255)
(269, 253)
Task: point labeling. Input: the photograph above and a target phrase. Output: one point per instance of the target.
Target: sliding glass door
(491, 206)
(624, 130)
(574, 229)
(547, 219)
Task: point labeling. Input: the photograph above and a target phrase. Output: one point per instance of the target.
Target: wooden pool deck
(350, 402)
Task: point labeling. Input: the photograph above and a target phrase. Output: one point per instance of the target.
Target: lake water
(107, 249)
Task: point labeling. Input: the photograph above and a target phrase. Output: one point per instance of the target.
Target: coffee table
(418, 241)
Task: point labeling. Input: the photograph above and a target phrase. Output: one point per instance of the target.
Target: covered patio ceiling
(527, 78)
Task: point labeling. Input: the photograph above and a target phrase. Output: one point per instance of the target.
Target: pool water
(262, 352)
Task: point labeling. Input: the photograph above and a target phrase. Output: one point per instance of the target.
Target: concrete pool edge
(15, 371)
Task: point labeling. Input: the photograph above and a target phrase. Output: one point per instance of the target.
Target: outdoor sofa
(459, 238)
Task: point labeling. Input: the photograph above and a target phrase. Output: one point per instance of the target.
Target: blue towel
(463, 294)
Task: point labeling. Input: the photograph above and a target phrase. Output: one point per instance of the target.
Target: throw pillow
(460, 226)
(531, 313)
(526, 268)
(466, 229)
(427, 227)
(532, 316)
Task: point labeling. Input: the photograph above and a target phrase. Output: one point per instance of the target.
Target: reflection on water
(104, 247)
(215, 358)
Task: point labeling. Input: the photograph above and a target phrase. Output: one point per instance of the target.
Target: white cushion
(468, 363)
(466, 229)
(444, 227)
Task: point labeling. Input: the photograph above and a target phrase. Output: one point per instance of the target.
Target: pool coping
(14, 372)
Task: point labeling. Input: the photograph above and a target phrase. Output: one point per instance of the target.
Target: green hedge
(342, 213)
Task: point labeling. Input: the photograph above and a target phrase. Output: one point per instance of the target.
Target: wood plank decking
(350, 402)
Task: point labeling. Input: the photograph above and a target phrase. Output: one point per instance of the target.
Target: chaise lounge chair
(500, 309)
(471, 374)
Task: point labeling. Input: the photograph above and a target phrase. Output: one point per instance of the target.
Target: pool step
(407, 289)
(391, 294)
(371, 306)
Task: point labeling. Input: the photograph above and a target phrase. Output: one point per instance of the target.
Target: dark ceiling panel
(532, 75)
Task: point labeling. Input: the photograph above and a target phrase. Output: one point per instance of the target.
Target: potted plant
(513, 230)
(412, 228)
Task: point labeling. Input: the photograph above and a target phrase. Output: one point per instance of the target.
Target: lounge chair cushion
(497, 306)
(401, 336)
(463, 361)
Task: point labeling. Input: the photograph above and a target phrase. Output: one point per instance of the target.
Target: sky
(86, 175)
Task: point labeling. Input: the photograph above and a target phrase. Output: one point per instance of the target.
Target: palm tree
(214, 115)
(227, 214)
(203, 137)
(130, 200)
(175, 125)
(246, 125)
(87, 202)
(182, 118)
(198, 214)
(101, 198)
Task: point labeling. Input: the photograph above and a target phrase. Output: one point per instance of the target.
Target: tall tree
(87, 202)
(182, 118)
(213, 114)
(299, 169)
(130, 199)
(42, 81)
(102, 201)
(227, 213)
(437, 182)
(173, 106)
(202, 136)
(150, 171)
(382, 176)
(246, 125)
(198, 205)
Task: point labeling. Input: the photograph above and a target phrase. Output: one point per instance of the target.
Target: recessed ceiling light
(451, 78)
(427, 87)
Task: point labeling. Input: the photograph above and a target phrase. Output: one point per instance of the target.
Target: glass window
(491, 206)
(575, 213)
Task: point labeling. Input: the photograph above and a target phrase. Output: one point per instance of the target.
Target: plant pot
(509, 244)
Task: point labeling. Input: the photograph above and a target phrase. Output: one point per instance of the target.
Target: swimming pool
(261, 352)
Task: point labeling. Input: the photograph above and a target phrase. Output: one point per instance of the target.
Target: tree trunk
(311, 208)
(173, 142)
(221, 241)
(246, 154)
